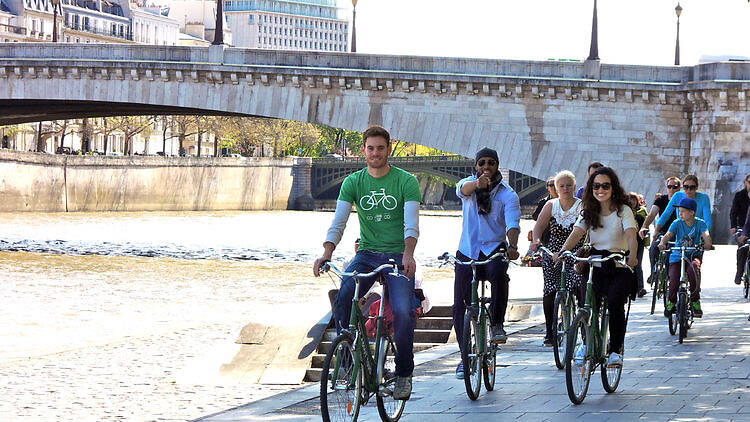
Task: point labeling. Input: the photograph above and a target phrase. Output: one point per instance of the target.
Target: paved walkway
(706, 378)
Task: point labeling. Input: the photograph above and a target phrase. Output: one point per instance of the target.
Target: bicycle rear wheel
(578, 371)
(489, 361)
(560, 324)
(389, 408)
(470, 357)
(682, 316)
(340, 390)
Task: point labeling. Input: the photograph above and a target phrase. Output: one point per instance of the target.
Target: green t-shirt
(380, 207)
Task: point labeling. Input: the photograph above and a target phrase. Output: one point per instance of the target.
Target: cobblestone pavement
(705, 379)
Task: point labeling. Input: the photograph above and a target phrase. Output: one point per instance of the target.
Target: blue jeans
(400, 291)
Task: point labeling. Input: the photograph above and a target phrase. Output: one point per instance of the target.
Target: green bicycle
(564, 312)
(478, 351)
(746, 273)
(588, 338)
(659, 279)
(682, 319)
(352, 374)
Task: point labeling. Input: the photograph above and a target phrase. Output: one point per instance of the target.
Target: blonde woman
(559, 215)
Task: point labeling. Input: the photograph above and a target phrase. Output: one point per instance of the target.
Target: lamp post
(354, 27)
(219, 27)
(55, 5)
(678, 12)
(594, 49)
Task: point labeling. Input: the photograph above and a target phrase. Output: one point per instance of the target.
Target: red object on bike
(372, 322)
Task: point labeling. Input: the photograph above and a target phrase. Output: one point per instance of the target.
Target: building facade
(197, 18)
(154, 26)
(312, 25)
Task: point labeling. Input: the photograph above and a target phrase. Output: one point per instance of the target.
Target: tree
(131, 126)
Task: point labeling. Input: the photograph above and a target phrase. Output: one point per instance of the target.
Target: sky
(640, 32)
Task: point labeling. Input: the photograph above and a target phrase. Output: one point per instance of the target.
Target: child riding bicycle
(690, 229)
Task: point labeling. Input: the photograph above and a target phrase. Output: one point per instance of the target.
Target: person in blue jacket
(703, 202)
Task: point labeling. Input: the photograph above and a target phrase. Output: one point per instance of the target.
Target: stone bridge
(327, 173)
(646, 122)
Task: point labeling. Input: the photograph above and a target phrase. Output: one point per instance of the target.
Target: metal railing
(12, 29)
(407, 159)
(108, 33)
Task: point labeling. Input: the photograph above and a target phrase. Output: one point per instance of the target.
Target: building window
(251, 20)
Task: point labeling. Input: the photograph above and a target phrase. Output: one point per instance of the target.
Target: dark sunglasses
(481, 163)
(673, 186)
(551, 185)
(690, 187)
(602, 186)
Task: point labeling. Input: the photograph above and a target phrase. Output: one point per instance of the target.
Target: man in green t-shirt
(387, 200)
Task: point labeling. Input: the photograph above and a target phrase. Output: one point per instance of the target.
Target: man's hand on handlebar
(512, 253)
(319, 263)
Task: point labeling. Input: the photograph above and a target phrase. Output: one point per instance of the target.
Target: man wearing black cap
(491, 216)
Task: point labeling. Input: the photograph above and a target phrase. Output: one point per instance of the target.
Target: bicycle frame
(595, 311)
(357, 329)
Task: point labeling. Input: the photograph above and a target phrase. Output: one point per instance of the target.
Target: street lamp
(219, 27)
(55, 5)
(678, 12)
(354, 27)
(594, 49)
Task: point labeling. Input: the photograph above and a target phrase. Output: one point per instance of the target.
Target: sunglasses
(602, 186)
(550, 185)
(673, 186)
(481, 163)
(690, 187)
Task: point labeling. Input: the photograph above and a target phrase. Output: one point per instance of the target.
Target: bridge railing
(406, 159)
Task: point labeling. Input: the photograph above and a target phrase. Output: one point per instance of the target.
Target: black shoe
(641, 292)
(738, 280)
(498, 334)
(548, 341)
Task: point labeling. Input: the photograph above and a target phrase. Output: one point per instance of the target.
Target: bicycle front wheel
(560, 323)
(489, 362)
(682, 316)
(654, 289)
(340, 382)
(610, 376)
(389, 408)
(578, 360)
(470, 357)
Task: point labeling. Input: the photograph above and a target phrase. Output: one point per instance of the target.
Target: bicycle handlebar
(619, 258)
(328, 266)
(455, 261)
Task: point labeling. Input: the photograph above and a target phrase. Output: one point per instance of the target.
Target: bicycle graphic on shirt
(376, 198)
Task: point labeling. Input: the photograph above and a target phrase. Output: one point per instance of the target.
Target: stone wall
(719, 151)
(39, 182)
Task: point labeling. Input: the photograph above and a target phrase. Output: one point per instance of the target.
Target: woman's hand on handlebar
(632, 261)
(533, 247)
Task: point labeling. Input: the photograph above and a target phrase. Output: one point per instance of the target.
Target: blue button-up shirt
(484, 233)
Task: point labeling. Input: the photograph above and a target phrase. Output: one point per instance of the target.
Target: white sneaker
(614, 360)
(580, 355)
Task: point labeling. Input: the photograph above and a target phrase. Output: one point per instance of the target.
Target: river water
(286, 236)
(110, 316)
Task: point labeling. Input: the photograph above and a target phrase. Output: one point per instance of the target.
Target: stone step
(435, 323)
(440, 311)
(431, 336)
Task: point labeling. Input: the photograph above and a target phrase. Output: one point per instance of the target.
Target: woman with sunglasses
(690, 190)
(612, 228)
